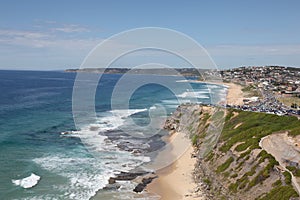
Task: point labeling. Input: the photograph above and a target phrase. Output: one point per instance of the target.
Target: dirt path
(282, 147)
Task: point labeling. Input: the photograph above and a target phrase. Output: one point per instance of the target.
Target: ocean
(44, 156)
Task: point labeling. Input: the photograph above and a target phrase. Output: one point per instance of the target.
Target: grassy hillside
(237, 168)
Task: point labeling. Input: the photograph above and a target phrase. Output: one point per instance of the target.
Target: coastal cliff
(231, 164)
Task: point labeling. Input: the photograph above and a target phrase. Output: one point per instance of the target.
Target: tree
(294, 105)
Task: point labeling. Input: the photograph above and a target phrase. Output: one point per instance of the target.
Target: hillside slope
(231, 164)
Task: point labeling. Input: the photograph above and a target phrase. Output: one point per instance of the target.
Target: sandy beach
(176, 181)
(235, 94)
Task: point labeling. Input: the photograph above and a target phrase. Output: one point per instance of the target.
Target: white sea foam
(27, 182)
(152, 108)
(113, 119)
(195, 94)
(109, 121)
(175, 102)
(189, 81)
(183, 81)
(87, 175)
(212, 86)
(171, 102)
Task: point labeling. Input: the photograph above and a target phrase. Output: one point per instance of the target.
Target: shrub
(234, 175)
(294, 170)
(225, 165)
(288, 177)
(195, 139)
(294, 132)
(233, 187)
(209, 156)
(281, 193)
(277, 183)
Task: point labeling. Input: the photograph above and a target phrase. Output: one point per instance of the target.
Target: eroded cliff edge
(231, 163)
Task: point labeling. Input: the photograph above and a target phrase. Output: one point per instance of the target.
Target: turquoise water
(36, 107)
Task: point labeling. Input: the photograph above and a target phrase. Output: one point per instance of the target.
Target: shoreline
(175, 181)
(234, 95)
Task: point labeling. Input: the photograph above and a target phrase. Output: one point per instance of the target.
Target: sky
(59, 34)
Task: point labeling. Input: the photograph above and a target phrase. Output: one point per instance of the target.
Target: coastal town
(269, 89)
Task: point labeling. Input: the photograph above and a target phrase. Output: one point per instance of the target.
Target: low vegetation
(254, 127)
(289, 101)
(225, 165)
(235, 146)
(280, 193)
(287, 177)
(251, 90)
(294, 131)
(294, 170)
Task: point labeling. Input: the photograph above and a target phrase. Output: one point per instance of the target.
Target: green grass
(195, 139)
(209, 156)
(280, 193)
(265, 173)
(294, 132)
(225, 165)
(251, 90)
(207, 181)
(233, 187)
(245, 154)
(234, 175)
(206, 116)
(263, 155)
(288, 177)
(229, 114)
(249, 143)
(248, 88)
(252, 171)
(277, 183)
(254, 124)
(294, 170)
(217, 115)
(288, 101)
(240, 165)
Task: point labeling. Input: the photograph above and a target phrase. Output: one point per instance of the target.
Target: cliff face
(231, 164)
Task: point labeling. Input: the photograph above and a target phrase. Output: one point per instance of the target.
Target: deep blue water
(36, 107)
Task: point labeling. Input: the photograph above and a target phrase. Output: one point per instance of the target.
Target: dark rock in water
(114, 186)
(128, 176)
(139, 188)
(145, 181)
(148, 180)
(94, 128)
(111, 180)
(136, 151)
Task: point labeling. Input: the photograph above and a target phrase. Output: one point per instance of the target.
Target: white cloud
(70, 42)
(71, 28)
(37, 39)
(20, 33)
(254, 50)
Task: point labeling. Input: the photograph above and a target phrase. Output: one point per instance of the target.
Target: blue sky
(56, 34)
